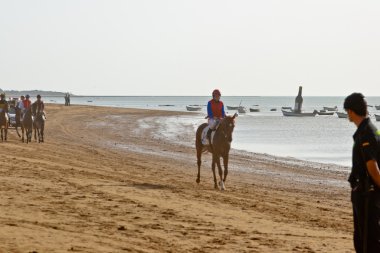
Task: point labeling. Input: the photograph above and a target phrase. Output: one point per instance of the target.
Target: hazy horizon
(182, 48)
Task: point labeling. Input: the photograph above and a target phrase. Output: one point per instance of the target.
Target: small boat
(193, 108)
(165, 105)
(286, 108)
(342, 115)
(377, 107)
(330, 109)
(377, 117)
(325, 113)
(273, 110)
(298, 114)
(90, 101)
(232, 108)
(242, 109)
(254, 109)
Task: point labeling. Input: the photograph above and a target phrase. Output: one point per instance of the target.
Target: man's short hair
(357, 103)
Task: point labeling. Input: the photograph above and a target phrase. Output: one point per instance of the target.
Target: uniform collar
(362, 126)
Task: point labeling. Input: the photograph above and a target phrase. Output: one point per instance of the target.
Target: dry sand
(105, 180)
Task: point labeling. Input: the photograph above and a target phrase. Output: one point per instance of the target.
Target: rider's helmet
(27, 96)
(216, 92)
(38, 96)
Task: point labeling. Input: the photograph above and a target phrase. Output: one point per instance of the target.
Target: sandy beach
(107, 180)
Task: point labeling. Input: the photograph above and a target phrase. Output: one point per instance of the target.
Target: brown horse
(4, 123)
(26, 124)
(39, 126)
(221, 145)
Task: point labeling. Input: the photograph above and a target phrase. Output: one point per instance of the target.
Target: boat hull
(377, 117)
(193, 109)
(295, 114)
(342, 115)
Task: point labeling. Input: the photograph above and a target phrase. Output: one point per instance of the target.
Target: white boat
(342, 115)
(232, 108)
(254, 109)
(291, 113)
(377, 107)
(325, 113)
(377, 117)
(242, 109)
(193, 108)
(330, 109)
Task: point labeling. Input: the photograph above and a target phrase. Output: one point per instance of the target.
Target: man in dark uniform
(3, 104)
(365, 176)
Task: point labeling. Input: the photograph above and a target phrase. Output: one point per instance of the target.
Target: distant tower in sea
(299, 101)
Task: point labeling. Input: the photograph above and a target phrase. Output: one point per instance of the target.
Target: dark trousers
(358, 204)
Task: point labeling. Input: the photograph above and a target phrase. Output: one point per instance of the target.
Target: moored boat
(325, 113)
(330, 109)
(298, 114)
(254, 109)
(342, 115)
(377, 117)
(377, 107)
(232, 107)
(193, 108)
(242, 109)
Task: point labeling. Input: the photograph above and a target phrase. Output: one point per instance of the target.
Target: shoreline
(101, 184)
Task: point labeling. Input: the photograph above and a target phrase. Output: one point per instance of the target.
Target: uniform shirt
(366, 148)
(20, 105)
(27, 104)
(38, 107)
(3, 105)
(215, 109)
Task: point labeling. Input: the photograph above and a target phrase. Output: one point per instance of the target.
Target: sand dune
(102, 184)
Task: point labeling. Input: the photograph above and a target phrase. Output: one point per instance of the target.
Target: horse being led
(220, 147)
(4, 124)
(39, 126)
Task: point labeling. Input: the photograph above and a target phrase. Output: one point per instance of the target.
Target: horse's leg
(199, 162)
(6, 132)
(42, 131)
(22, 132)
(225, 163)
(221, 183)
(17, 132)
(2, 137)
(213, 170)
(35, 133)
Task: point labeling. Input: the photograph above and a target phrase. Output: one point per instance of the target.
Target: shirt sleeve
(209, 110)
(368, 146)
(223, 112)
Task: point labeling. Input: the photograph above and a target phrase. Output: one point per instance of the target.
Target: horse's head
(228, 125)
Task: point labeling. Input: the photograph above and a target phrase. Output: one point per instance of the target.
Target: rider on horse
(38, 107)
(215, 112)
(3, 104)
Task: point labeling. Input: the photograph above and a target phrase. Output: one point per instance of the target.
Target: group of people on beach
(21, 105)
(364, 178)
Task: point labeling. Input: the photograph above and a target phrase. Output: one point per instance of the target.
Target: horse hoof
(198, 180)
(222, 187)
(216, 186)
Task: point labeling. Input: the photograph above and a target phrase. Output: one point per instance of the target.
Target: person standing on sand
(215, 112)
(365, 176)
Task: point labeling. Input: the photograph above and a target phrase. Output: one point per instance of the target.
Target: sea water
(325, 139)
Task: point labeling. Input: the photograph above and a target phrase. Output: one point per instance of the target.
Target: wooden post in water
(299, 101)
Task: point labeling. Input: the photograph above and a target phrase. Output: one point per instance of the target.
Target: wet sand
(106, 180)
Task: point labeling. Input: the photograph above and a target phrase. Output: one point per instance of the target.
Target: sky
(183, 47)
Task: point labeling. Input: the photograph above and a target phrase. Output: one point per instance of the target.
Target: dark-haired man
(365, 176)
